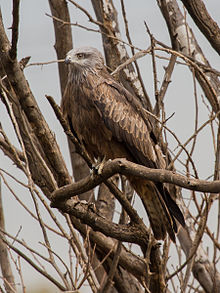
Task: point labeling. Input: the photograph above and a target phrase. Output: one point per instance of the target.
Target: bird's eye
(80, 55)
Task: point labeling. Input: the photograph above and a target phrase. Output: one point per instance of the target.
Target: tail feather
(160, 216)
(173, 208)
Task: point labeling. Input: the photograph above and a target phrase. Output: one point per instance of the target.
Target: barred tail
(160, 218)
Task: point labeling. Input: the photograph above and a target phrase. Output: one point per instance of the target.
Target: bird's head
(85, 58)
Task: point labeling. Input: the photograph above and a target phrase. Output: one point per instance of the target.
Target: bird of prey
(109, 121)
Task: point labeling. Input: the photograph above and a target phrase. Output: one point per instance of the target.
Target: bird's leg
(98, 166)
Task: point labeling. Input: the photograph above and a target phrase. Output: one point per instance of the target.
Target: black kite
(110, 123)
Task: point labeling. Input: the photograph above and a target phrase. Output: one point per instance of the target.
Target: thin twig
(196, 242)
(132, 49)
(191, 137)
(36, 267)
(109, 35)
(109, 282)
(152, 41)
(166, 81)
(82, 256)
(91, 19)
(45, 63)
(79, 147)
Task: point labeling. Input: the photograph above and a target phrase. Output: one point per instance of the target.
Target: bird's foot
(98, 166)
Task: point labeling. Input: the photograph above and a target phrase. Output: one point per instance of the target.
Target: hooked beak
(68, 60)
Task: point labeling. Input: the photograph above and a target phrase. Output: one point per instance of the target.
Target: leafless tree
(101, 249)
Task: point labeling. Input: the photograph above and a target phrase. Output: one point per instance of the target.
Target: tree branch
(4, 258)
(63, 37)
(183, 40)
(13, 50)
(87, 213)
(124, 167)
(205, 23)
(37, 268)
(28, 103)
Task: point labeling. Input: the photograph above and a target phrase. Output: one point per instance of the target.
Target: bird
(110, 122)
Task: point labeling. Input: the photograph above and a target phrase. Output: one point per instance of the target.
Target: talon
(98, 167)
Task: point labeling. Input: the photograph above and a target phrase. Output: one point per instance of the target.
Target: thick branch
(115, 51)
(205, 23)
(4, 257)
(184, 41)
(27, 101)
(13, 51)
(87, 214)
(63, 36)
(124, 167)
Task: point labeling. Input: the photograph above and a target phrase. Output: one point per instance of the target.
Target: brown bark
(115, 51)
(5, 265)
(124, 167)
(204, 22)
(63, 36)
(183, 40)
(28, 104)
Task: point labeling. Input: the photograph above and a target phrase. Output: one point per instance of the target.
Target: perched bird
(111, 124)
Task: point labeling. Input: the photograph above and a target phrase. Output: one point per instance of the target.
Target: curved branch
(28, 104)
(132, 263)
(87, 213)
(183, 40)
(124, 167)
(205, 23)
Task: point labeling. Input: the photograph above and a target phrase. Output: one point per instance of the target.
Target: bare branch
(63, 37)
(32, 111)
(205, 23)
(88, 215)
(179, 30)
(124, 167)
(13, 50)
(4, 257)
(36, 267)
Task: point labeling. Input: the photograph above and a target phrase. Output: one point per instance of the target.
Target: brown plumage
(111, 124)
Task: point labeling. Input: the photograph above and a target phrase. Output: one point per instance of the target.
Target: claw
(98, 166)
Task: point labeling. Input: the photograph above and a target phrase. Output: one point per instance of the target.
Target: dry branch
(184, 41)
(14, 41)
(124, 167)
(88, 215)
(115, 51)
(5, 265)
(205, 23)
(27, 101)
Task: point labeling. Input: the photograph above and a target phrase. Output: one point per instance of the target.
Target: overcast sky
(36, 39)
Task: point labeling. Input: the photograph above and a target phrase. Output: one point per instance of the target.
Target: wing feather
(123, 120)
